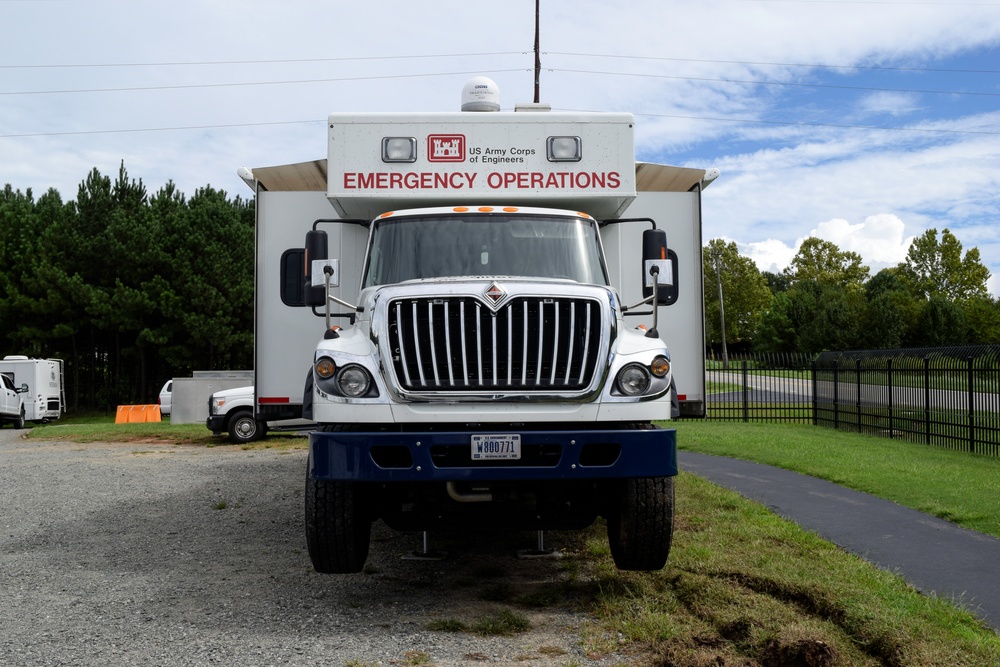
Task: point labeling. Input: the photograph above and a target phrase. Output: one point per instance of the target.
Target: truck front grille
(460, 344)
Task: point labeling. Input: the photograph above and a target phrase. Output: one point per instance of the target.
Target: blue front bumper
(546, 455)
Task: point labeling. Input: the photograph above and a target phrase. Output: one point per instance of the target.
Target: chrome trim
(397, 316)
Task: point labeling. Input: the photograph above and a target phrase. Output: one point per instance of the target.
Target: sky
(861, 122)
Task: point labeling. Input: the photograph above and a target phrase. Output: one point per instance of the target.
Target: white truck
(40, 382)
(456, 322)
(11, 403)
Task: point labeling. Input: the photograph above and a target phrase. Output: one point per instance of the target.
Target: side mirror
(655, 253)
(23, 389)
(316, 250)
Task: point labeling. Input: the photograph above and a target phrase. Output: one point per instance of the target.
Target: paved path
(934, 555)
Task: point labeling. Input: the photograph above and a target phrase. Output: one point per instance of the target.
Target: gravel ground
(126, 554)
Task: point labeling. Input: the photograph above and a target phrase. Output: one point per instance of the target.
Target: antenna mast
(538, 59)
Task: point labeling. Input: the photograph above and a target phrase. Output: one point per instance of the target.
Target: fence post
(927, 399)
(836, 394)
(857, 367)
(972, 409)
(889, 369)
(746, 394)
(815, 401)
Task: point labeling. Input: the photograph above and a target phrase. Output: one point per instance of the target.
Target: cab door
(8, 397)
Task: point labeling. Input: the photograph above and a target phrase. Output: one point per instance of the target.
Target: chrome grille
(528, 344)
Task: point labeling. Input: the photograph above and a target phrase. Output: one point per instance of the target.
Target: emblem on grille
(495, 293)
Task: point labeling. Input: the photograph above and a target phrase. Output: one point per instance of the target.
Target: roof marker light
(399, 149)
(564, 149)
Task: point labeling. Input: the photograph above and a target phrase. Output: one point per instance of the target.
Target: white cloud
(890, 103)
(770, 255)
(879, 239)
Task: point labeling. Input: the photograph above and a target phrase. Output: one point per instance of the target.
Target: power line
(161, 129)
(770, 64)
(249, 83)
(256, 62)
(840, 126)
(756, 82)
(902, 3)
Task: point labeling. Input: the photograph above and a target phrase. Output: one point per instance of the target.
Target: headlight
(215, 405)
(633, 380)
(325, 368)
(353, 381)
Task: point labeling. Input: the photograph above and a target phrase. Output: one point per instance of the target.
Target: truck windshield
(510, 245)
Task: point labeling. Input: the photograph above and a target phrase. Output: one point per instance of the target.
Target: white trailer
(291, 197)
(473, 307)
(40, 382)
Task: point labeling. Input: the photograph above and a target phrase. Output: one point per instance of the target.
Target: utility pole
(716, 256)
(538, 57)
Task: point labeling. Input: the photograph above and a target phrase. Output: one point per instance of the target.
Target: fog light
(633, 380)
(353, 381)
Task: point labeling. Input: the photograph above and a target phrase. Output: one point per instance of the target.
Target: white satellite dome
(481, 94)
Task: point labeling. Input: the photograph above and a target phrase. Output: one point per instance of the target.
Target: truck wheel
(641, 525)
(19, 421)
(244, 428)
(337, 532)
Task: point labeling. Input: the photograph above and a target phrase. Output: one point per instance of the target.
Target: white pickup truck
(11, 403)
(231, 411)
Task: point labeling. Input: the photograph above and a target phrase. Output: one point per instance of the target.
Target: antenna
(538, 59)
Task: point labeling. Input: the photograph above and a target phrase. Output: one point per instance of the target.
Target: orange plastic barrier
(131, 414)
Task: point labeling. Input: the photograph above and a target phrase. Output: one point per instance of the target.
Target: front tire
(338, 533)
(641, 524)
(19, 422)
(244, 428)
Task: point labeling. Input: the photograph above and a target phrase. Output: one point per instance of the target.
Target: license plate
(491, 447)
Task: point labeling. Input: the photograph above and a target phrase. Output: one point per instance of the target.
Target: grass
(958, 486)
(502, 622)
(102, 428)
(745, 587)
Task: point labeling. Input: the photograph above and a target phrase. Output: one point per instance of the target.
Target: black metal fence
(760, 387)
(948, 397)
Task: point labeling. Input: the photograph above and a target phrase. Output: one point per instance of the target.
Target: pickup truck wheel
(337, 532)
(641, 525)
(244, 428)
(19, 421)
